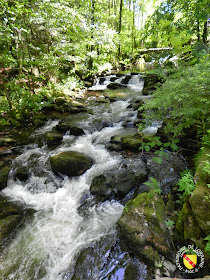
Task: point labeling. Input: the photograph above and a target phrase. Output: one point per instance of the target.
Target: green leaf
(147, 148)
(3, 122)
(157, 159)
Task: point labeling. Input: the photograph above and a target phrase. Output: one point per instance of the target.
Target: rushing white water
(153, 128)
(48, 244)
(47, 127)
(136, 83)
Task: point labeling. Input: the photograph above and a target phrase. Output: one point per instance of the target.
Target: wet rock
(187, 230)
(135, 104)
(66, 105)
(148, 90)
(201, 207)
(22, 173)
(128, 123)
(126, 79)
(105, 260)
(167, 173)
(54, 138)
(131, 142)
(114, 85)
(100, 124)
(125, 142)
(142, 228)
(116, 185)
(4, 171)
(70, 163)
(150, 82)
(10, 218)
(67, 125)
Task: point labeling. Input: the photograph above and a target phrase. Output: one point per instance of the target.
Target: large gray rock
(143, 228)
(105, 259)
(70, 163)
(118, 184)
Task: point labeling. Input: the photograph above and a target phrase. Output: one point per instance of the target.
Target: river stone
(113, 85)
(10, 218)
(4, 171)
(117, 184)
(142, 228)
(125, 142)
(100, 124)
(70, 163)
(66, 125)
(167, 173)
(105, 259)
(22, 173)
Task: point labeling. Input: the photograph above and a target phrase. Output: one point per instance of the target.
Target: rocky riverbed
(74, 203)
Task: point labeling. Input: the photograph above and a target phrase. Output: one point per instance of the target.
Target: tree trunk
(198, 30)
(205, 32)
(120, 26)
(133, 28)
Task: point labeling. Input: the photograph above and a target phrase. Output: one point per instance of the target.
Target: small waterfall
(136, 83)
(133, 82)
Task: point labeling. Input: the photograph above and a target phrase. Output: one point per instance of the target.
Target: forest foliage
(51, 45)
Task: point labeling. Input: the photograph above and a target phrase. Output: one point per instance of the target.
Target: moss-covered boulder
(10, 218)
(125, 142)
(200, 198)
(70, 163)
(200, 206)
(143, 229)
(4, 171)
(187, 229)
(132, 142)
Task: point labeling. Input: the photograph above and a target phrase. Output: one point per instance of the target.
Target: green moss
(8, 225)
(131, 272)
(187, 228)
(139, 200)
(151, 254)
(146, 212)
(202, 174)
(200, 207)
(4, 171)
(132, 142)
(70, 163)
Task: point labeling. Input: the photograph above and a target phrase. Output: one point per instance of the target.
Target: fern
(186, 184)
(154, 185)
